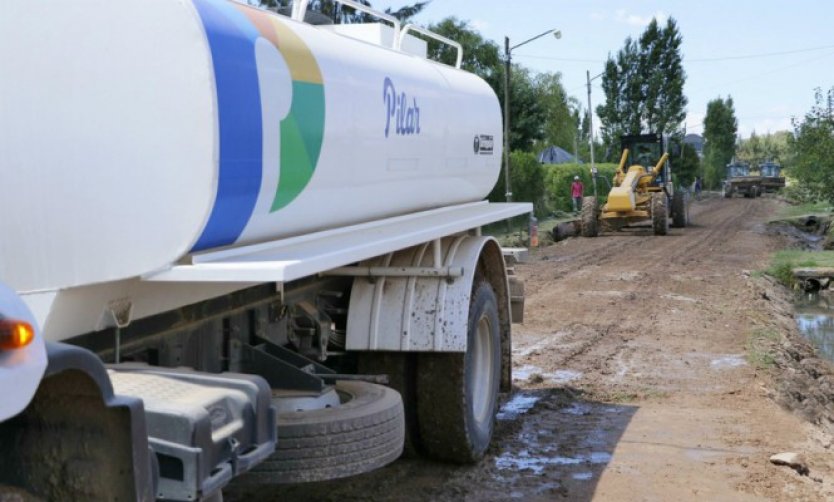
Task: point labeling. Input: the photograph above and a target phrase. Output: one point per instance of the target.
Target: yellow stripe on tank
(299, 58)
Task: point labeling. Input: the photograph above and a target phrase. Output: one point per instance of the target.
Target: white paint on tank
(107, 134)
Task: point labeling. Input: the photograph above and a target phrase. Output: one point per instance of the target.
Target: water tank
(135, 132)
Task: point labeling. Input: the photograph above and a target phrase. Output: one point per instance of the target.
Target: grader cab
(642, 191)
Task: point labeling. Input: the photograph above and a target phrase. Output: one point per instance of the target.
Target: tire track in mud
(733, 217)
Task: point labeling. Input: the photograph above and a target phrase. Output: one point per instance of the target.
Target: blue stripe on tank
(231, 38)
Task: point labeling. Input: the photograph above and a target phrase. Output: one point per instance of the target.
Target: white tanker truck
(222, 229)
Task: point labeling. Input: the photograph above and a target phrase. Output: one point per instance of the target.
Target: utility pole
(507, 68)
(591, 132)
(508, 194)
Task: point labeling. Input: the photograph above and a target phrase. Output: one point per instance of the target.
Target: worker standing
(577, 189)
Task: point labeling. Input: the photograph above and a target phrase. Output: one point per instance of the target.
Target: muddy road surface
(636, 379)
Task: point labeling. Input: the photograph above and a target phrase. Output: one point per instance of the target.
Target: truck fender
(84, 431)
(428, 314)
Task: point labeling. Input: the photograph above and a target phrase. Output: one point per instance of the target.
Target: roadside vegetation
(783, 263)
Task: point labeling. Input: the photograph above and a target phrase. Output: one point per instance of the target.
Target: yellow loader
(642, 191)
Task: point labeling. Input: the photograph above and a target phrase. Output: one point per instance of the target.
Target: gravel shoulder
(649, 368)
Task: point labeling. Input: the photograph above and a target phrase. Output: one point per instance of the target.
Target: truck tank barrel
(138, 132)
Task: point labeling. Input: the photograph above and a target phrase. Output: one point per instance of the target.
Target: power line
(769, 72)
(689, 60)
(755, 56)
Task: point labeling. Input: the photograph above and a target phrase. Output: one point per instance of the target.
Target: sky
(768, 55)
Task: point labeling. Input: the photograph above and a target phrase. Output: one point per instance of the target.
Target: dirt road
(634, 381)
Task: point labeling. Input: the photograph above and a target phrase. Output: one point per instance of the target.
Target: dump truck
(642, 191)
(739, 180)
(237, 243)
(772, 179)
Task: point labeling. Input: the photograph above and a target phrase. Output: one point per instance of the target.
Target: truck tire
(727, 191)
(679, 210)
(589, 217)
(401, 369)
(457, 394)
(660, 215)
(364, 433)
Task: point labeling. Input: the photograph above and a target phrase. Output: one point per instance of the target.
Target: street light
(508, 61)
(591, 130)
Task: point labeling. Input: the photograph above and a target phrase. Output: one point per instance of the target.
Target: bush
(526, 182)
(558, 178)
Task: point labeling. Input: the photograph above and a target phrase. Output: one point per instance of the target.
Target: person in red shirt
(576, 191)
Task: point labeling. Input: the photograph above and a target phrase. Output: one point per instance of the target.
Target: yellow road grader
(642, 191)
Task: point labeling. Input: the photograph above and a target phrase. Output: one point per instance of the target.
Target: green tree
(686, 166)
(757, 149)
(483, 58)
(813, 148)
(643, 86)
(561, 112)
(720, 129)
(526, 181)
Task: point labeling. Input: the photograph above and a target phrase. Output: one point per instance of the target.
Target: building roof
(556, 155)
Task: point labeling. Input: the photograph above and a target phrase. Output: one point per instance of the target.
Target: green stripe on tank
(302, 133)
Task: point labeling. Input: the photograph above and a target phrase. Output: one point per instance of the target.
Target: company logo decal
(404, 114)
(484, 144)
(246, 125)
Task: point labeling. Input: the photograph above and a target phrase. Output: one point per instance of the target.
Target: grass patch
(759, 348)
(812, 208)
(783, 262)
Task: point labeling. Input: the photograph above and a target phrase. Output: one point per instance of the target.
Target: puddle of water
(577, 409)
(524, 461)
(522, 373)
(582, 476)
(518, 405)
(562, 376)
(815, 320)
(729, 361)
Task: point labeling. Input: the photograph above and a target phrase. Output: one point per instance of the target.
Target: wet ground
(639, 376)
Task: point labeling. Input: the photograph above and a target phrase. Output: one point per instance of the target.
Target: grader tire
(590, 217)
(660, 215)
(679, 210)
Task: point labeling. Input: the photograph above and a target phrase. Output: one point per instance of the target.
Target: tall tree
(813, 148)
(561, 111)
(643, 85)
(481, 57)
(720, 129)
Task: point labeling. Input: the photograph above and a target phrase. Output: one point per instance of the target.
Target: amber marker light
(15, 334)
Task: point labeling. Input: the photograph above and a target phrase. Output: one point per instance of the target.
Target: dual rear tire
(450, 398)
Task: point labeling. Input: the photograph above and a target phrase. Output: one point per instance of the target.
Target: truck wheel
(401, 369)
(727, 191)
(457, 393)
(679, 210)
(590, 217)
(660, 215)
(364, 433)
